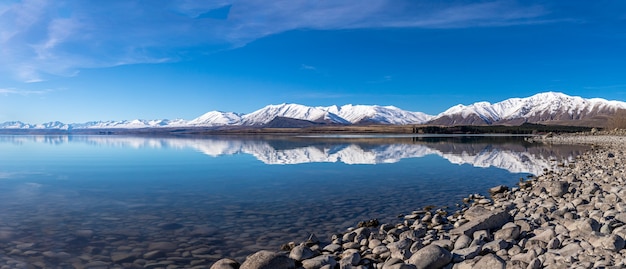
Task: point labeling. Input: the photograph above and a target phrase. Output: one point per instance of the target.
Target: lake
(71, 201)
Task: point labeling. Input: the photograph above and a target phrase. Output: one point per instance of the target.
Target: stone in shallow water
(163, 246)
(84, 233)
(155, 254)
(122, 257)
(171, 226)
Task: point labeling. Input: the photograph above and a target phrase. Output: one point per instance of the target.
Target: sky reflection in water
(257, 193)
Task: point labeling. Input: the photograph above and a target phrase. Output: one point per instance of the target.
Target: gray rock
(490, 261)
(509, 231)
(525, 257)
(225, 264)
(467, 253)
(495, 245)
(352, 258)
(318, 262)
(491, 220)
(612, 242)
(268, 260)
(444, 243)
(374, 243)
(480, 238)
(535, 264)
(431, 256)
(554, 243)
(544, 236)
(380, 250)
(301, 252)
(400, 266)
(555, 188)
(498, 189)
(332, 248)
(462, 242)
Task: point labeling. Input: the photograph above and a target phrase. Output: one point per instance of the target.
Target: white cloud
(11, 91)
(308, 67)
(60, 37)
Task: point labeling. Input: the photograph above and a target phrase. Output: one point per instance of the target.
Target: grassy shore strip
(573, 216)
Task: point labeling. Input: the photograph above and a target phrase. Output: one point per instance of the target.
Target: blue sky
(77, 61)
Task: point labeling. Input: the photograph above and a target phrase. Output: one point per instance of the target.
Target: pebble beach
(571, 216)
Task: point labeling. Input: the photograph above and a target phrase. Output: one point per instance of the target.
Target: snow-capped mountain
(378, 114)
(540, 108)
(347, 114)
(549, 107)
(293, 111)
(15, 125)
(216, 118)
(128, 124)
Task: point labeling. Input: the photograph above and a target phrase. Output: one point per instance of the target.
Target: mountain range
(546, 108)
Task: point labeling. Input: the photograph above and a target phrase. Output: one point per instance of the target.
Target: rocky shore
(572, 216)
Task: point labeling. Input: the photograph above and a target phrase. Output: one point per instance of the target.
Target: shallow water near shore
(90, 197)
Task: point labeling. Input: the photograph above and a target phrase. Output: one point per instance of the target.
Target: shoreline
(570, 217)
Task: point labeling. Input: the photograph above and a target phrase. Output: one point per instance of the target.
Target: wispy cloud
(60, 37)
(11, 91)
(308, 67)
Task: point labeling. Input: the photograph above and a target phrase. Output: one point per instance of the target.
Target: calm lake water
(84, 199)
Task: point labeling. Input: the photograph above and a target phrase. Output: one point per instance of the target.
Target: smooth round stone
(268, 260)
(301, 252)
(225, 264)
(431, 256)
(84, 233)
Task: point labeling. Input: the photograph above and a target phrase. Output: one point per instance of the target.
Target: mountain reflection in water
(511, 153)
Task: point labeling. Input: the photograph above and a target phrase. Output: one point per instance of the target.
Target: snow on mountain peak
(294, 111)
(546, 106)
(216, 118)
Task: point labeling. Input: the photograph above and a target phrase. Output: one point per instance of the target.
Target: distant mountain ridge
(547, 108)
